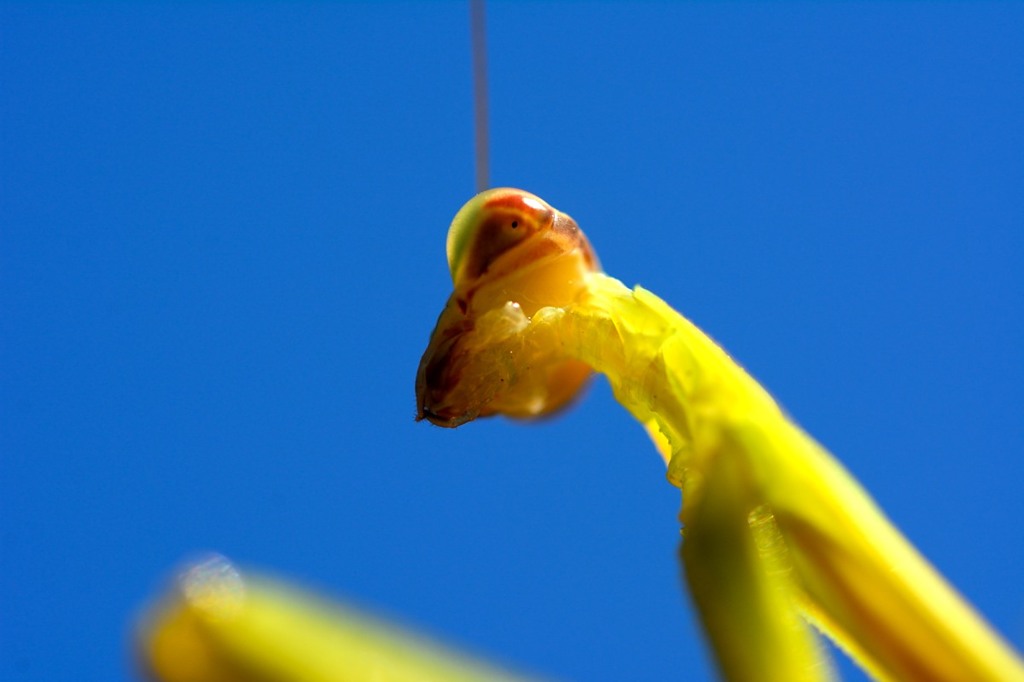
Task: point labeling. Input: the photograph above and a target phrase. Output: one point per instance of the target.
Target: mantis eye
(491, 224)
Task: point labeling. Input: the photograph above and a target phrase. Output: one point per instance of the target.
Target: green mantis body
(773, 524)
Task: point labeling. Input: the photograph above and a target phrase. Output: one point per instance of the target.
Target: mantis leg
(737, 569)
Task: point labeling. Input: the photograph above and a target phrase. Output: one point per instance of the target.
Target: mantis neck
(670, 376)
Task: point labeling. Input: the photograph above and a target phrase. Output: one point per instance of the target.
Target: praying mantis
(773, 524)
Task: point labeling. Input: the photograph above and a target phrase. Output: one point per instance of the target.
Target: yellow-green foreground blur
(217, 626)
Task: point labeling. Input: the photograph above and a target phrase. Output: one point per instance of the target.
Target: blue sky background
(222, 252)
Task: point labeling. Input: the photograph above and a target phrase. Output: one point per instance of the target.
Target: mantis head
(511, 255)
